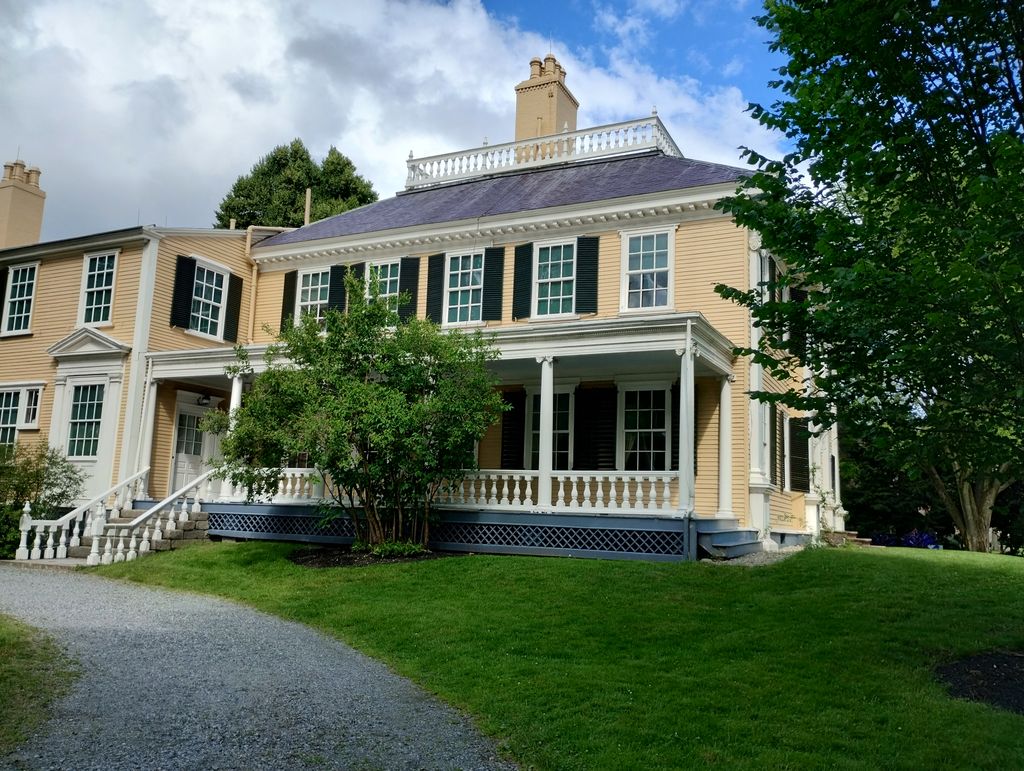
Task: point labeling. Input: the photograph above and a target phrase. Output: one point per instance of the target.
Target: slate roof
(527, 190)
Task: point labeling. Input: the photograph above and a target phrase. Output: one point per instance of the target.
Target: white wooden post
(25, 525)
(547, 408)
(685, 422)
(725, 447)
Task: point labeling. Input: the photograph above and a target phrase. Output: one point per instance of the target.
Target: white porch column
(236, 397)
(146, 451)
(547, 425)
(725, 446)
(685, 423)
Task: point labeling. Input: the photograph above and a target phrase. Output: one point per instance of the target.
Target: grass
(822, 660)
(33, 673)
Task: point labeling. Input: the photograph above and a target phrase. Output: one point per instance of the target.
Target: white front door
(188, 447)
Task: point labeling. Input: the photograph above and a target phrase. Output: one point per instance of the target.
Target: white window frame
(6, 299)
(299, 314)
(213, 267)
(624, 273)
(85, 383)
(22, 422)
(535, 289)
(532, 391)
(448, 290)
(670, 428)
(391, 297)
(84, 292)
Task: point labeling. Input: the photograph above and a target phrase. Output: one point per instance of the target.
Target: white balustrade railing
(624, 492)
(125, 542)
(53, 537)
(295, 485)
(611, 139)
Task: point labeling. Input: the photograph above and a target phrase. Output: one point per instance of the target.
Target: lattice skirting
(483, 532)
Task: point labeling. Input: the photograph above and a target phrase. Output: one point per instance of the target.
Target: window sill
(19, 333)
(96, 325)
(464, 325)
(554, 317)
(203, 335)
(646, 311)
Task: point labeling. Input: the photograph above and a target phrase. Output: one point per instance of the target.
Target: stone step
(715, 524)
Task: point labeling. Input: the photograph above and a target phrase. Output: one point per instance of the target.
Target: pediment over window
(87, 343)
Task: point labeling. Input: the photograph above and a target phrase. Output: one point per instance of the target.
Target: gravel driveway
(181, 681)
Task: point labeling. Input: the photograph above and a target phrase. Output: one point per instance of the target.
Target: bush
(397, 549)
(40, 475)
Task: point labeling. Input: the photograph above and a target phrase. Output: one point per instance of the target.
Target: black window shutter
(233, 308)
(184, 284)
(359, 270)
(799, 455)
(522, 282)
(595, 429)
(408, 284)
(494, 282)
(435, 287)
(513, 428)
(3, 289)
(586, 274)
(291, 279)
(336, 289)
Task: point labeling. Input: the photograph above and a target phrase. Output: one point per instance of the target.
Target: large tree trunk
(971, 507)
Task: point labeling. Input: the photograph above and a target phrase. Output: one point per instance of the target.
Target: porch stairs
(185, 534)
(723, 538)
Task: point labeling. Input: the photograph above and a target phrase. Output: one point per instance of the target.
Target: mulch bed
(343, 557)
(995, 678)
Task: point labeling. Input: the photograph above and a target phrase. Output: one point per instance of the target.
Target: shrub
(40, 475)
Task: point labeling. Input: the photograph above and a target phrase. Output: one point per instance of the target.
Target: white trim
(624, 237)
(297, 315)
(81, 322)
(6, 299)
(448, 290)
(535, 281)
(558, 388)
(134, 409)
(633, 383)
(379, 263)
(213, 267)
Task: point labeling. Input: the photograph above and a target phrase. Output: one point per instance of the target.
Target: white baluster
(574, 492)
(133, 550)
(48, 553)
(169, 511)
(196, 505)
(78, 525)
(94, 550)
(37, 545)
(108, 549)
(144, 546)
(587, 503)
(666, 493)
(115, 509)
(183, 513)
(599, 492)
(62, 541)
(119, 555)
(528, 498)
(613, 492)
(504, 489)
(493, 500)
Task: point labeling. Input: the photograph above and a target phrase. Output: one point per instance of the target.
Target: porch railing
(296, 485)
(53, 537)
(621, 492)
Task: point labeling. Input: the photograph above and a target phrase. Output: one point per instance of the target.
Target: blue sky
(146, 111)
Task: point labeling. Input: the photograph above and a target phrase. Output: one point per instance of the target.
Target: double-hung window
(464, 293)
(382, 278)
(9, 402)
(647, 270)
(645, 430)
(556, 279)
(86, 416)
(561, 431)
(98, 288)
(207, 301)
(314, 289)
(18, 298)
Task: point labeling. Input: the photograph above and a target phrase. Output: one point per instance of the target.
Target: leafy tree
(387, 411)
(273, 193)
(900, 211)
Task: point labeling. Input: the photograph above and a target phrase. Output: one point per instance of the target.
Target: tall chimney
(543, 104)
(21, 205)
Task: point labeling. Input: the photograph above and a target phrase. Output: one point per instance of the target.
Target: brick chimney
(21, 205)
(543, 104)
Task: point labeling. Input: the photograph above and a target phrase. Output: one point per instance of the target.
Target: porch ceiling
(605, 366)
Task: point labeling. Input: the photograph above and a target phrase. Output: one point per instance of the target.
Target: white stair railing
(126, 542)
(53, 537)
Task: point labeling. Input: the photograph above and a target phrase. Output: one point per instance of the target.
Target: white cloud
(147, 112)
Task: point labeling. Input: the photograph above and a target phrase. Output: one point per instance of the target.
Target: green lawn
(822, 660)
(33, 672)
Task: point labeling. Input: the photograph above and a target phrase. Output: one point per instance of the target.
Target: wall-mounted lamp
(203, 401)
